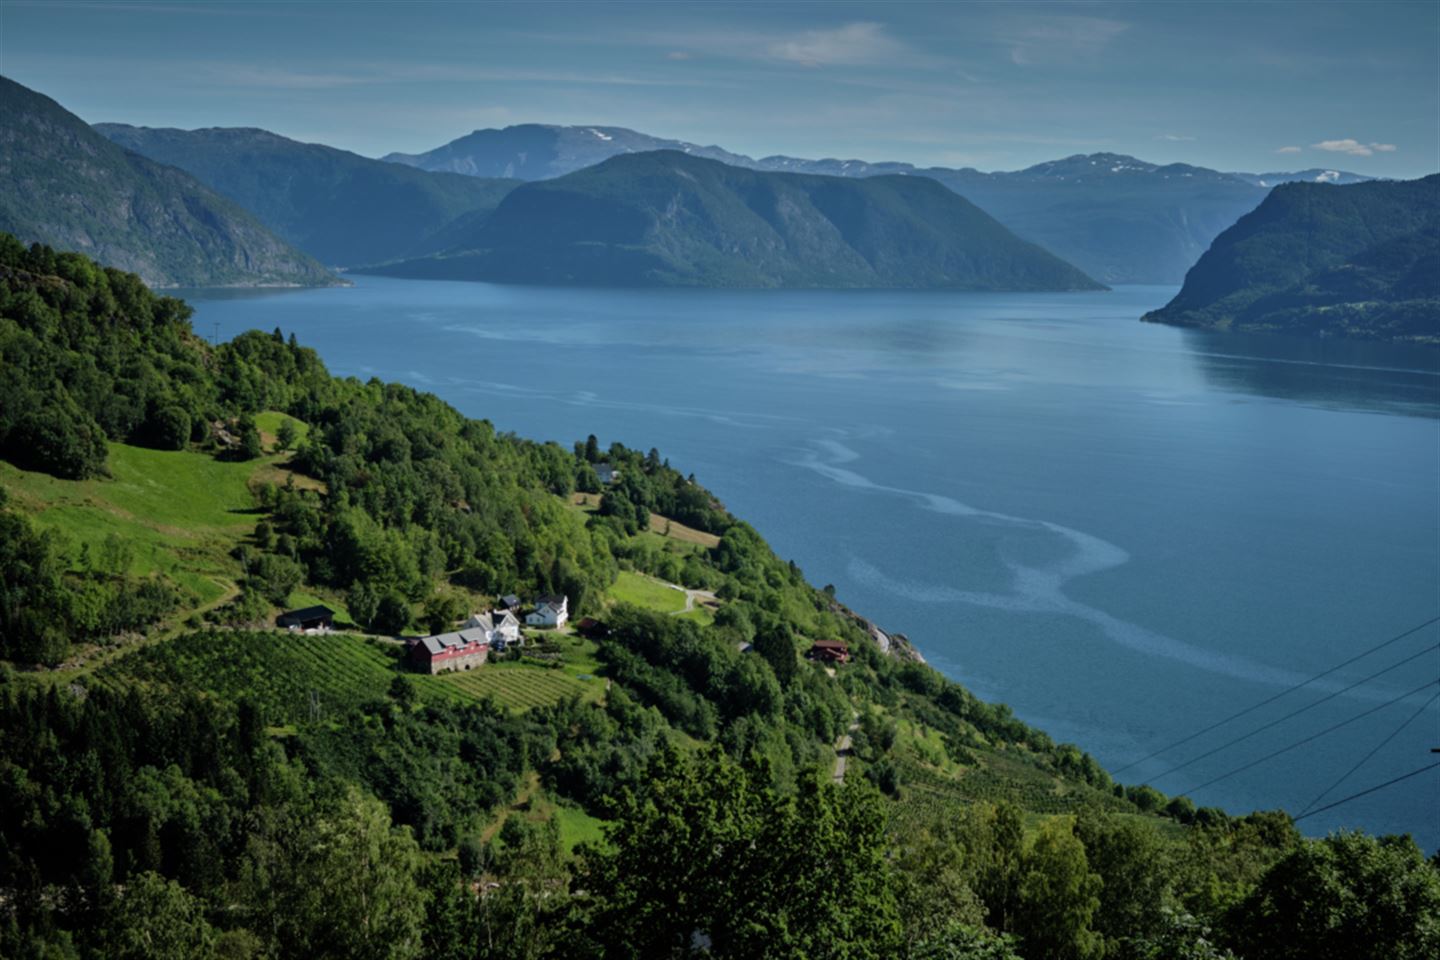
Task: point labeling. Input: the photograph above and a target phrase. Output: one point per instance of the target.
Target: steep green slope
(337, 206)
(63, 184)
(178, 791)
(1358, 261)
(670, 219)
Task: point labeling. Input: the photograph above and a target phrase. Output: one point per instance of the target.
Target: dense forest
(1360, 261)
(179, 780)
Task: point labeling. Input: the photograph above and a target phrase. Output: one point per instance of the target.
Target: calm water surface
(1125, 531)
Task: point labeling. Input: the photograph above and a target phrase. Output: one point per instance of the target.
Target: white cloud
(1060, 39)
(1288, 150)
(1174, 138)
(859, 43)
(1354, 147)
(850, 45)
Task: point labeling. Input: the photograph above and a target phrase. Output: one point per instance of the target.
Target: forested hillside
(1359, 261)
(339, 207)
(63, 184)
(670, 219)
(181, 780)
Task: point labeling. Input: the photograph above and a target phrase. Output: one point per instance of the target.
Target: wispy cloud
(1288, 150)
(1059, 39)
(1174, 138)
(1354, 147)
(854, 44)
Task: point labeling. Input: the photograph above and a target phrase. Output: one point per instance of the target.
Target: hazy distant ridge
(672, 219)
(338, 206)
(1119, 219)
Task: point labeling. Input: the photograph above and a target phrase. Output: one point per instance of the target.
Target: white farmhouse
(551, 611)
(607, 473)
(498, 625)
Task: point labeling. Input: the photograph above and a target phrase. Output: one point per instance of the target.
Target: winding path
(690, 595)
(843, 748)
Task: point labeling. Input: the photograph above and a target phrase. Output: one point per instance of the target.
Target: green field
(521, 686)
(700, 614)
(179, 512)
(292, 677)
(268, 423)
(577, 827)
(643, 592)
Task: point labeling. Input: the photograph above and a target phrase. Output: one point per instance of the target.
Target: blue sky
(1242, 86)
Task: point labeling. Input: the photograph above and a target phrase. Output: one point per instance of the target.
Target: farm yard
(295, 678)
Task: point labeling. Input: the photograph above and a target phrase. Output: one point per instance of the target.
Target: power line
(1295, 713)
(1313, 736)
(1374, 750)
(1250, 709)
(1354, 796)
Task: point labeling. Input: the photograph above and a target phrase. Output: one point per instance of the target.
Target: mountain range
(65, 185)
(1119, 219)
(337, 206)
(669, 218)
(611, 206)
(1360, 261)
(535, 151)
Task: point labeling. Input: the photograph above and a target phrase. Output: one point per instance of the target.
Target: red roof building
(462, 650)
(829, 651)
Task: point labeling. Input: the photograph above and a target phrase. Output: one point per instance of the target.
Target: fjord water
(1125, 531)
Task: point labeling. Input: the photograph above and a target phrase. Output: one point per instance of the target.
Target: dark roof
(306, 613)
(441, 642)
(510, 600)
(830, 645)
(552, 598)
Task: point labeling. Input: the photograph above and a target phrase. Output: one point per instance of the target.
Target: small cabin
(316, 619)
(829, 651)
(591, 629)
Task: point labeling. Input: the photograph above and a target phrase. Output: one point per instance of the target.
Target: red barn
(462, 650)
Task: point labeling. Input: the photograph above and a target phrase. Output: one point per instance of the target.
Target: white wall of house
(549, 615)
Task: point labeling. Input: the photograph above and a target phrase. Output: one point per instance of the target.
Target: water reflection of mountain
(1330, 373)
